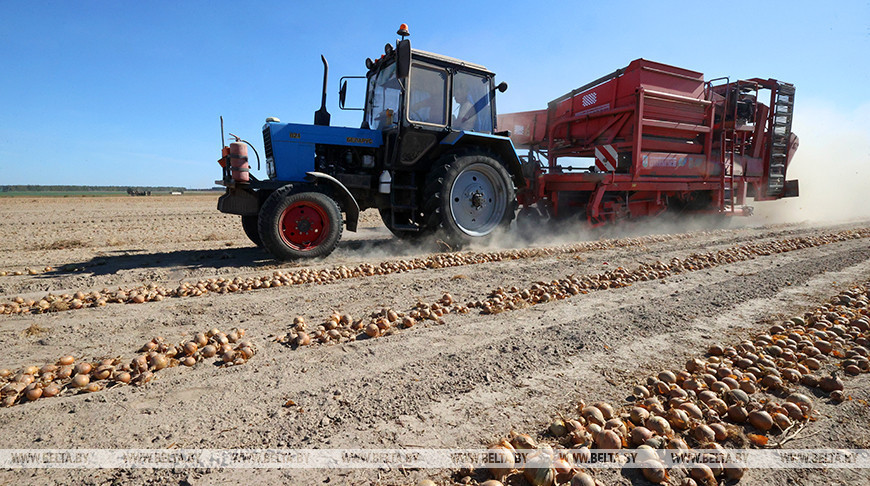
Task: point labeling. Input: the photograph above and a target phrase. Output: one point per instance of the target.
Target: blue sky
(129, 93)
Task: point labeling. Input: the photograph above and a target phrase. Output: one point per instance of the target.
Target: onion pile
(67, 376)
(342, 327)
(155, 293)
(715, 400)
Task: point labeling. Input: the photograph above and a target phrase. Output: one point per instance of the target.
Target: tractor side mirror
(342, 94)
(502, 87)
(403, 59)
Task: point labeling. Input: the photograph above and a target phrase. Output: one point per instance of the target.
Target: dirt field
(463, 382)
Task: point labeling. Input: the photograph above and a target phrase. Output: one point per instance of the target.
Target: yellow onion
(720, 431)
(539, 469)
(678, 418)
(159, 362)
(703, 434)
(761, 420)
(80, 381)
(209, 351)
(33, 392)
(50, 390)
(703, 474)
(608, 439)
(200, 339)
(606, 409)
(501, 460)
(83, 368)
(830, 383)
(372, 330)
(102, 373)
(640, 435)
(781, 420)
(122, 377)
(558, 428)
(658, 425)
(593, 415)
(523, 442)
(654, 471)
(65, 372)
(734, 471)
(582, 479)
(66, 360)
(638, 415)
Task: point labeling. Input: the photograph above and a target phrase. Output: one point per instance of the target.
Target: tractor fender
(342, 195)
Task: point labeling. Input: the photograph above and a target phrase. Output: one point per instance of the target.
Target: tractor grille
(267, 141)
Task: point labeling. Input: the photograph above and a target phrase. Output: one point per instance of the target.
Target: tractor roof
(416, 53)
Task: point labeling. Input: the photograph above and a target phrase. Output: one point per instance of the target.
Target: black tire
(251, 227)
(299, 225)
(468, 197)
(386, 217)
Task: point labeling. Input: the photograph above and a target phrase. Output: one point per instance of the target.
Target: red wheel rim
(304, 225)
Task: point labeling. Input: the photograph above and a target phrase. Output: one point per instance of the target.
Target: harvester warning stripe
(605, 158)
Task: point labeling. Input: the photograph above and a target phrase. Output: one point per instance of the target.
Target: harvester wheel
(250, 226)
(469, 197)
(300, 225)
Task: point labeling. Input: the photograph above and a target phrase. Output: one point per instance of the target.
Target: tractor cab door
(426, 112)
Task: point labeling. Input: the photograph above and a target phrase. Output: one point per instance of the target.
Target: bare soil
(460, 384)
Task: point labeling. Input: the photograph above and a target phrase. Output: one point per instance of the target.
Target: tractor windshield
(384, 96)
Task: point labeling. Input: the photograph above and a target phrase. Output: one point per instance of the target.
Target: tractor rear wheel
(250, 226)
(299, 225)
(469, 197)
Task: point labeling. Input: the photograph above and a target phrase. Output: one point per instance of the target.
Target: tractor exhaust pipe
(321, 116)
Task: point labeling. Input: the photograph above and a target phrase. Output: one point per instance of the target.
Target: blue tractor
(427, 156)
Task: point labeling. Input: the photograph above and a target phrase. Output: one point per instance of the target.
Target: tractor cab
(426, 106)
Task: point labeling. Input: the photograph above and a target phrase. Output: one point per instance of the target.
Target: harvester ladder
(403, 200)
(728, 152)
(780, 128)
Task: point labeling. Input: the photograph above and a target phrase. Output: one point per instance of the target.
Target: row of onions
(737, 396)
(26, 271)
(68, 376)
(154, 293)
(343, 328)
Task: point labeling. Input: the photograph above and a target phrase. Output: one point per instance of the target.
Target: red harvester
(661, 138)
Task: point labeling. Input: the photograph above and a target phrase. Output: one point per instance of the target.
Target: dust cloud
(832, 164)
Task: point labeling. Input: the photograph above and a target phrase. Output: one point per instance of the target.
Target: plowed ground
(462, 383)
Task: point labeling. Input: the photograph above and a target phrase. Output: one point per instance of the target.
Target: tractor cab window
(427, 100)
(385, 94)
(472, 109)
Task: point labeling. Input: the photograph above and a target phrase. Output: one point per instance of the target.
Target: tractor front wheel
(300, 225)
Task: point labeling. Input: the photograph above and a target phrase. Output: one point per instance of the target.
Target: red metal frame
(677, 137)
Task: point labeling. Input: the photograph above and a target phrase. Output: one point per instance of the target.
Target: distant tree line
(122, 189)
